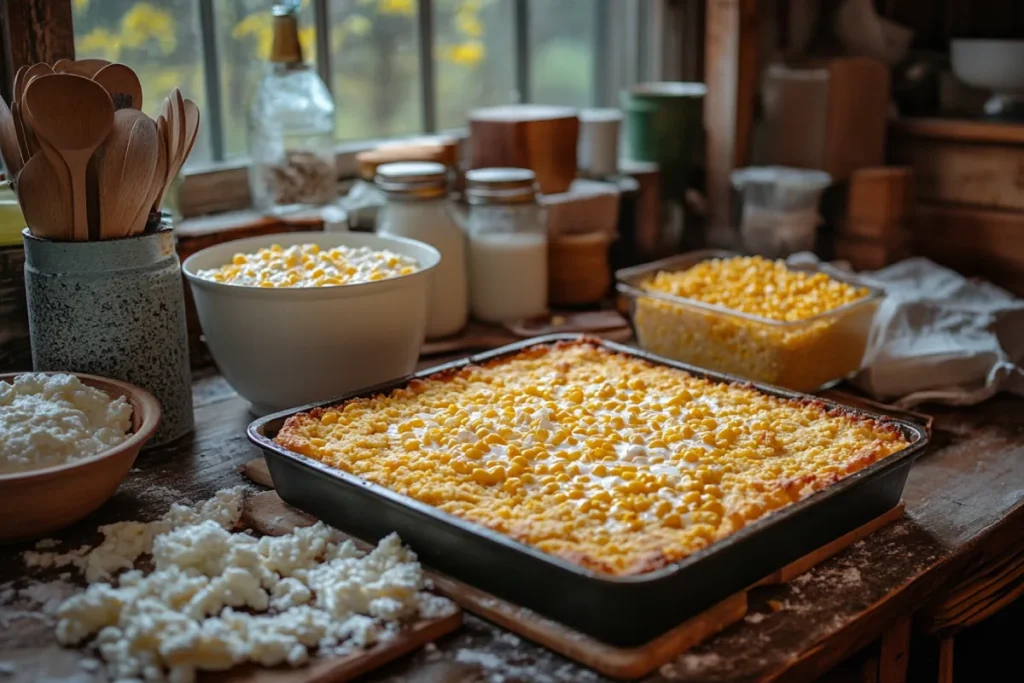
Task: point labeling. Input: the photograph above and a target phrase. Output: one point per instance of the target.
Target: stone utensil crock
(113, 308)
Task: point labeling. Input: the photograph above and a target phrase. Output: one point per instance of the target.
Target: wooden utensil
(17, 87)
(26, 137)
(140, 165)
(110, 165)
(44, 200)
(178, 128)
(81, 67)
(161, 183)
(75, 132)
(9, 148)
(190, 123)
(178, 125)
(123, 85)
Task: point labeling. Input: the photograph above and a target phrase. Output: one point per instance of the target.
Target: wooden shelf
(959, 130)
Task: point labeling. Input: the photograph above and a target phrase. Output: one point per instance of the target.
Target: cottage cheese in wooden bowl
(48, 420)
(66, 443)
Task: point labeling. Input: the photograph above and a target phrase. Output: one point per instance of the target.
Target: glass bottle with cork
(291, 136)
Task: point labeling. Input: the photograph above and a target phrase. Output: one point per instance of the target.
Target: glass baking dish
(804, 355)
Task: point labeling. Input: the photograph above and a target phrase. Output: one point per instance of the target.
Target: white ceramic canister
(508, 245)
(418, 208)
(598, 147)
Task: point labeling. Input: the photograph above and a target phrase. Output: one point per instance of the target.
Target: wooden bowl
(37, 502)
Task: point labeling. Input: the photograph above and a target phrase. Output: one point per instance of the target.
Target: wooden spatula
(74, 131)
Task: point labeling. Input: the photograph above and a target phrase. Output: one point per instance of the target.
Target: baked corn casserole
(307, 265)
(787, 327)
(606, 460)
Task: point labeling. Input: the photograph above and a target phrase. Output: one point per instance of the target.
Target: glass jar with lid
(508, 245)
(291, 127)
(418, 208)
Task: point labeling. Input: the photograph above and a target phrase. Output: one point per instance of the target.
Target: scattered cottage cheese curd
(306, 265)
(218, 598)
(49, 420)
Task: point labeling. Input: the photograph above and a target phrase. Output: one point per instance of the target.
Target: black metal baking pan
(622, 611)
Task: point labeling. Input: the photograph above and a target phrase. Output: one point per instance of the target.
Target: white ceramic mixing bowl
(285, 347)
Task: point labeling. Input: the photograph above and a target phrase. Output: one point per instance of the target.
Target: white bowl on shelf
(996, 65)
(285, 347)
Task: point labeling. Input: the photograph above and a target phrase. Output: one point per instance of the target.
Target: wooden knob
(538, 137)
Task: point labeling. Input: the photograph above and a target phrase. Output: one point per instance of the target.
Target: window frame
(648, 51)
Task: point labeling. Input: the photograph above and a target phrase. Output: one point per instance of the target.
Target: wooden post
(731, 65)
(892, 664)
(34, 31)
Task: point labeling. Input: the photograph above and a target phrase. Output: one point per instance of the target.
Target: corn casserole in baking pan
(607, 460)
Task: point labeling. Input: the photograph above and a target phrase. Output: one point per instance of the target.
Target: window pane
(474, 57)
(375, 68)
(562, 51)
(159, 40)
(244, 36)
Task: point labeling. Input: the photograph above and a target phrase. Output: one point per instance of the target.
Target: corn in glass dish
(751, 317)
(609, 461)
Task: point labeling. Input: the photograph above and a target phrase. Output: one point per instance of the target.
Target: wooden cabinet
(970, 191)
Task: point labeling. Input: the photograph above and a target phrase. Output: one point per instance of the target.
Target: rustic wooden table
(964, 517)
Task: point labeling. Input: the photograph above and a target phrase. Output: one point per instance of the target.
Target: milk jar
(508, 245)
(418, 208)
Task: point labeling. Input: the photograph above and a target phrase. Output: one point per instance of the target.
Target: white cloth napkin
(939, 337)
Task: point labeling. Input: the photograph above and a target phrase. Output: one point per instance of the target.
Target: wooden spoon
(61, 65)
(140, 167)
(123, 85)
(9, 148)
(164, 129)
(43, 200)
(109, 164)
(178, 106)
(75, 131)
(81, 67)
(159, 183)
(26, 136)
(191, 125)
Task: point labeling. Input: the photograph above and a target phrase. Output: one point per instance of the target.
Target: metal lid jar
(418, 208)
(508, 250)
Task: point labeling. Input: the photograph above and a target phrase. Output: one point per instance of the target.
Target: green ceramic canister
(664, 125)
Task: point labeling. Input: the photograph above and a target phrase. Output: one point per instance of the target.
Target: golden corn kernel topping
(758, 286)
(605, 460)
(307, 265)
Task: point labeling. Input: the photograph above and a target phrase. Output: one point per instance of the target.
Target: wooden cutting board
(271, 517)
(267, 513)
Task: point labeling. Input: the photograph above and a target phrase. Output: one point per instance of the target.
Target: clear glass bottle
(508, 245)
(418, 208)
(291, 128)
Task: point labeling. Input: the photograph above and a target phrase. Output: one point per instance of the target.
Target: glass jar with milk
(418, 208)
(508, 245)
